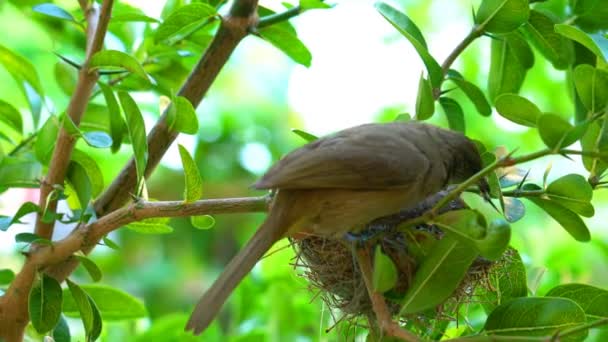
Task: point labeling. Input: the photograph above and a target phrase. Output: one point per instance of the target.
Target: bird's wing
(369, 156)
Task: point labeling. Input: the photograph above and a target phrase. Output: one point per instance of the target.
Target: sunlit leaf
(518, 109)
(92, 268)
(305, 135)
(110, 244)
(502, 16)
(80, 305)
(21, 69)
(202, 221)
(137, 133)
(193, 190)
(425, 103)
(410, 31)
(66, 77)
(556, 132)
(573, 192)
(45, 140)
(6, 276)
(385, 272)
(288, 43)
(312, 4)
(182, 117)
(81, 183)
(11, 116)
(20, 172)
(151, 226)
(44, 303)
(536, 316)
(183, 22)
(113, 304)
(507, 281)
(579, 36)
(117, 59)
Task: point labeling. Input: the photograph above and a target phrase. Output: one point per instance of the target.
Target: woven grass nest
(332, 271)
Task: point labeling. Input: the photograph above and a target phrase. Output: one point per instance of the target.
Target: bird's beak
(484, 189)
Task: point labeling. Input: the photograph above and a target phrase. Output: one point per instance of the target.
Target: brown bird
(339, 183)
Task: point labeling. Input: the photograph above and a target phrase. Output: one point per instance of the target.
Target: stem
(279, 17)
(475, 33)
(22, 144)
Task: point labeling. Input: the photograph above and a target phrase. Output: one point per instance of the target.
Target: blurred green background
(362, 71)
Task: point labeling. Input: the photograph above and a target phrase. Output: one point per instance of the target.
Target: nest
(330, 267)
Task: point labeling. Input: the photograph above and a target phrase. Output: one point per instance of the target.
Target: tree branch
(14, 304)
(97, 26)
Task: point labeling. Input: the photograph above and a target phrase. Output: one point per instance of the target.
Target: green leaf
(11, 116)
(573, 192)
(508, 281)
(593, 300)
(472, 92)
(556, 132)
(590, 15)
(46, 139)
(6, 276)
(439, 274)
(202, 221)
(110, 244)
(44, 304)
(288, 43)
(31, 238)
(61, 332)
(305, 135)
(92, 170)
(589, 143)
(117, 59)
(591, 86)
(540, 31)
(511, 57)
(385, 272)
(79, 303)
(20, 172)
(97, 322)
(182, 22)
(97, 139)
(425, 102)
(21, 70)
(137, 133)
(194, 182)
(454, 114)
(24, 209)
(151, 226)
(536, 317)
(66, 77)
(312, 4)
(502, 16)
(517, 109)
(570, 221)
(114, 304)
(54, 11)
(82, 185)
(91, 267)
(117, 124)
(469, 227)
(182, 117)
(577, 35)
(410, 31)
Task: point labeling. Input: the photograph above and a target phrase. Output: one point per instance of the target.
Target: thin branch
(383, 316)
(474, 34)
(143, 210)
(279, 17)
(97, 26)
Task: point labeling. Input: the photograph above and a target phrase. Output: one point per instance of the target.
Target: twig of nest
(329, 264)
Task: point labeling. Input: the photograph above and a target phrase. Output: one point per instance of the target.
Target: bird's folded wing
(363, 157)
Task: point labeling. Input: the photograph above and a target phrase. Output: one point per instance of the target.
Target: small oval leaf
(97, 139)
(91, 268)
(517, 109)
(202, 221)
(193, 190)
(113, 304)
(502, 16)
(593, 300)
(117, 59)
(385, 272)
(45, 304)
(570, 221)
(425, 103)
